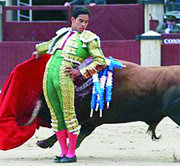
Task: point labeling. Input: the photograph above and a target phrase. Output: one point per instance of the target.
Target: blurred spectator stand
(110, 22)
(172, 5)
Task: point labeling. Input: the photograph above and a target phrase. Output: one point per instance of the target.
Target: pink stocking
(61, 136)
(72, 144)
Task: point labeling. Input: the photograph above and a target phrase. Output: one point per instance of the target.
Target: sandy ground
(109, 145)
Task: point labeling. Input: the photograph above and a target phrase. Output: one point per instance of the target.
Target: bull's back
(139, 92)
(134, 97)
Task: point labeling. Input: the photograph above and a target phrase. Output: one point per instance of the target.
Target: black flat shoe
(58, 159)
(69, 160)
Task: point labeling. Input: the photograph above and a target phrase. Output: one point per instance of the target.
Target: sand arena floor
(109, 145)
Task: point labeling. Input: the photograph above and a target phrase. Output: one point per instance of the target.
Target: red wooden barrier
(170, 49)
(170, 54)
(128, 50)
(31, 31)
(13, 53)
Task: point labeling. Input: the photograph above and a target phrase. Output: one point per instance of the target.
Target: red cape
(17, 101)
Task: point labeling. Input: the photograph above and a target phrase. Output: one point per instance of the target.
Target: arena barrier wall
(13, 53)
(170, 49)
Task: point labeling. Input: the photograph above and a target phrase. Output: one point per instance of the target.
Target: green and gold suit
(58, 86)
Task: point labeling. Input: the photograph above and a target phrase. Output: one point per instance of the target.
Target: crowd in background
(170, 5)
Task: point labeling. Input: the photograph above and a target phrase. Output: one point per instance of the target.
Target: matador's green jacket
(82, 46)
(58, 87)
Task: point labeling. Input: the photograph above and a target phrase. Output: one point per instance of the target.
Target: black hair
(80, 10)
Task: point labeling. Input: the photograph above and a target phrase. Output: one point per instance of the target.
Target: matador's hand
(74, 73)
(36, 55)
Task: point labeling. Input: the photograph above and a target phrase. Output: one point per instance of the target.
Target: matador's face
(80, 23)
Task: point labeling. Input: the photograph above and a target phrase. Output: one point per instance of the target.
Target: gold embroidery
(84, 45)
(98, 60)
(70, 50)
(67, 91)
(88, 35)
(72, 44)
(53, 116)
(72, 57)
(43, 47)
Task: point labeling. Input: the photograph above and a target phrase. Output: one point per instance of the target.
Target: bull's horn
(34, 113)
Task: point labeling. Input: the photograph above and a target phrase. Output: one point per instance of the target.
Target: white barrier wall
(150, 49)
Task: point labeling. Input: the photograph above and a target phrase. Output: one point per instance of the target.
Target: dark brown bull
(145, 94)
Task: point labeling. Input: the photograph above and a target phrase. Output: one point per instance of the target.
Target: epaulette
(59, 33)
(62, 31)
(88, 36)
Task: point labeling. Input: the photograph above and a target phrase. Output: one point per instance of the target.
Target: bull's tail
(152, 130)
